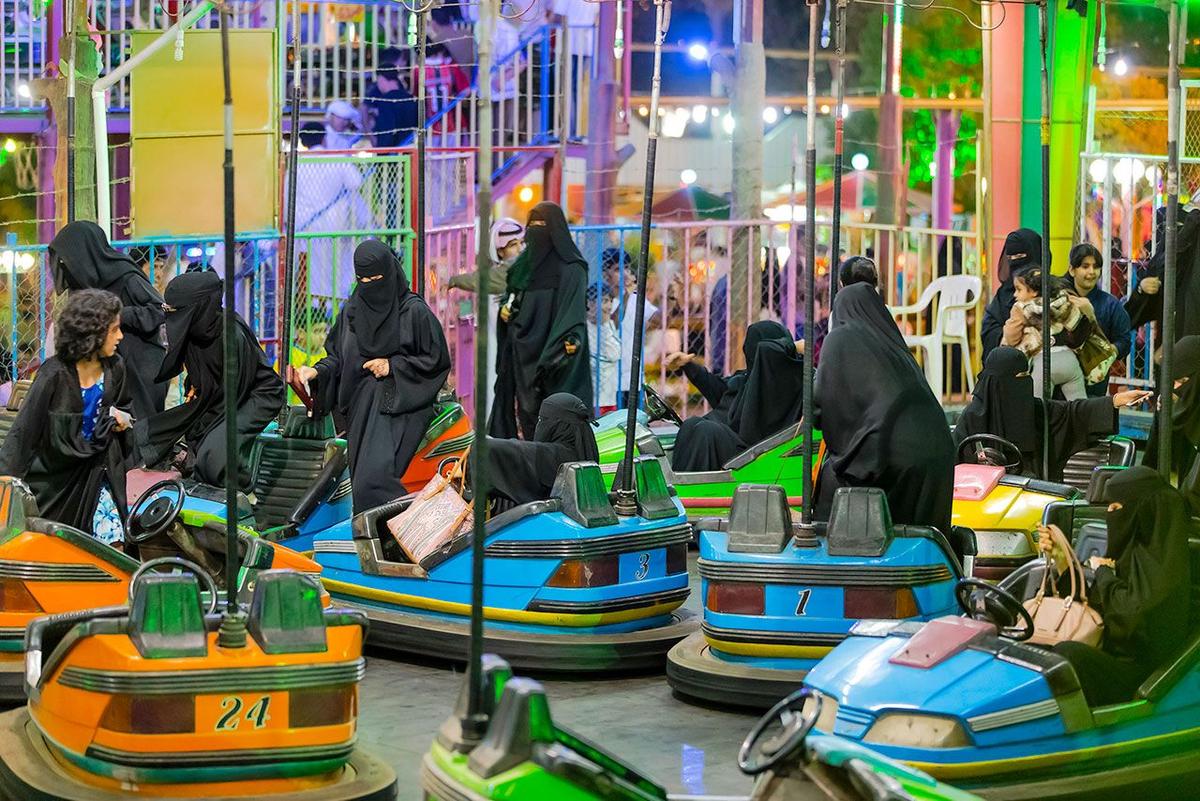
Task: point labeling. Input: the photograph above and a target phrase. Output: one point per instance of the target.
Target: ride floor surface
(686, 748)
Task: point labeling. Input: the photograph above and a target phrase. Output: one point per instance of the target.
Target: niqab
(81, 258)
(525, 471)
(1003, 403)
(1022, 249)
(195, 319)
(550, 246)
(373, 310)
(771, 394)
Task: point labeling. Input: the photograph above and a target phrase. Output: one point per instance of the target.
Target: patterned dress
(106, 522)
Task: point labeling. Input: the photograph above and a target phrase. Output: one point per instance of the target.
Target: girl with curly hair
(71, 440)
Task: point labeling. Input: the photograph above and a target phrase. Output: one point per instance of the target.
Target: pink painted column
(946, 124)
(1007, 51)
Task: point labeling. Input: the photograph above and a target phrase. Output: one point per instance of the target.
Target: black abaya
(47, 449)
(1022, 249)
(747, 407)
(522, 472)
(386, 417)
(81, 258)
(881, 424)
(551, 313)
(1145, 308)
(1145, 599)
(1004, 405)
(1185, 416)
(194, 331)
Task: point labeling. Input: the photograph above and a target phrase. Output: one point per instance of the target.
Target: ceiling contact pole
(810, 259)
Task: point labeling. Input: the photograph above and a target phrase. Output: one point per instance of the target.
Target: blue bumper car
(963, 699)
(777, 601)
(569, 584)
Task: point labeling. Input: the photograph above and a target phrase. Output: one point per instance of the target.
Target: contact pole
(1167, 374)
(839, 43)
(419, 200)
(475, 723)
(228, 350)
(69, 11)
(810, 259)
(1047, 386)
(626, 500)
(289, 277)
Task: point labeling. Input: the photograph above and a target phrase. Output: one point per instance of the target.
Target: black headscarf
(82, 258)
(770, 392)
(550, 246)
(1022, 249)
(194, 300)
(1145, 600)
(373, 310)
(525, 471)
(863, 304)
(1003, 402)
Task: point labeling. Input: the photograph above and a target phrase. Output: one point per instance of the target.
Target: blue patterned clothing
(106, 522)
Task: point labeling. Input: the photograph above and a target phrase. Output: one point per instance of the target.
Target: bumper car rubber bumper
(525, 650)
(30, 771)
(693, 671)
(12, 682)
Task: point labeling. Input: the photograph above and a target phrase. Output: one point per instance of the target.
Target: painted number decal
(643, 568)
(802, 604)
(232, 706)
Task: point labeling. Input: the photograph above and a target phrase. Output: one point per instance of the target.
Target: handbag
(437, 515)
(1057, 619)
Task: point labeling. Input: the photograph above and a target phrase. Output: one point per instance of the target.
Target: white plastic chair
(953, 296)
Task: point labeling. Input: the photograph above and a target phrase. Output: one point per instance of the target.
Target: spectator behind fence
(858, 270)
(619, 264)
(392, 111)
(1084, 270)
(328, 199)
(343, 126)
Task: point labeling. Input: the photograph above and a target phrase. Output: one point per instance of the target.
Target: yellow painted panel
(178, 185)
(176, 132)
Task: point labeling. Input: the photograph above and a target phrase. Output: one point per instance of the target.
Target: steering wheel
(760, 753)
(990, 449)
(206, 581)
(983, 601)
(156, 510)
(658, 408)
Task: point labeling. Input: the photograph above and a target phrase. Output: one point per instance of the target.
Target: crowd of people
(97, 407)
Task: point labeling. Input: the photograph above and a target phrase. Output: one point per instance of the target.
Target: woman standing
(195, 333)
(70, 441)
(386, 361)
(881, 424)
(1022, 249)
(543, 345)
(81, 258)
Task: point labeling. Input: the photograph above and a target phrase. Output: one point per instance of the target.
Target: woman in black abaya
(1142, 587)
(195, 343)
(386, 361)
(881, 424)
(1185, 417)
(1022, 249)
(521, 472)
(81, 258)
(748, 406)
(1004, 405)
(543, 344)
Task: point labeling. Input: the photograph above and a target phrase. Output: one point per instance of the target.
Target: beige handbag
(1057, 619)
(437, 515)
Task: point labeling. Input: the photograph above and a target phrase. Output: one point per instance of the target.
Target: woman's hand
(124, 420)
(305, 374)
(1130, 397)
(677, 360)
(800, 346)
(570, 347)
(380, 368)
(1096, 562)
(1149, 286)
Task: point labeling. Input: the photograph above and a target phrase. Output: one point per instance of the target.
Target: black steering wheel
(983, 601)
(658, 408)
(990, 449)
(206, 581)
(156, 510)
(760, 753)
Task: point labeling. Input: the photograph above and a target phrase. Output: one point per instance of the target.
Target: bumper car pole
(474, 724)
(1167, 374)
(1047, 386)
(626, 496)
(835, 239)
(810, 264)
(289, 231)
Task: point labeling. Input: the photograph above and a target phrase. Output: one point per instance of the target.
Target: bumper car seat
(296, 468)
(9, 413)
(1108, 452)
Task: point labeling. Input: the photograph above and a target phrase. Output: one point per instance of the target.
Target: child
(605, 346)
(71, 440)
(1066, 318)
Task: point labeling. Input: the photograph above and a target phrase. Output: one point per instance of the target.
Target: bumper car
(967, 701)
(155, 700)
(779, 459)
(51, 568)
(302, 478)
(1004, 508)
(777, 601)
(570, 585)
(524, 753)
(8, 414)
